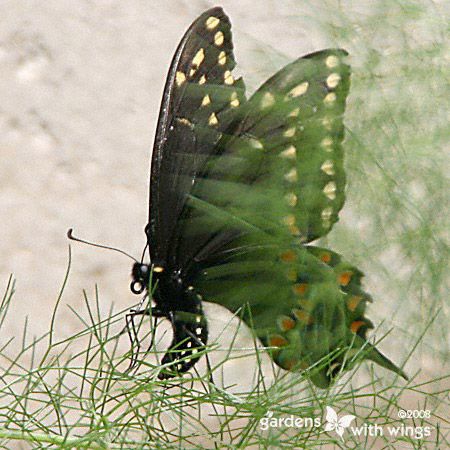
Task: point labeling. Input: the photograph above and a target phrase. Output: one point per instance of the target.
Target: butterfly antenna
(73, 238)
(143, 252)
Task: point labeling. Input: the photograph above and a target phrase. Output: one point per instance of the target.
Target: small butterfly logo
(336, 424)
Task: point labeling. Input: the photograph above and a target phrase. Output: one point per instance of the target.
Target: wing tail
(373, 354)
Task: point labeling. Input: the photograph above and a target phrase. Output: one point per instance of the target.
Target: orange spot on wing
(288, 256)
(353, 302)
(288, 364)
(300, 288)
(286, 323)
(356, 325)
(345, 277)
(277, 341)
(325, 257)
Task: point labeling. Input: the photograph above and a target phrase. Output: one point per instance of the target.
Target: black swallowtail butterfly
(238, 189)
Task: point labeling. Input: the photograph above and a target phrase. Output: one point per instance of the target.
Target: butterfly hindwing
(289, 298)
(305, 303)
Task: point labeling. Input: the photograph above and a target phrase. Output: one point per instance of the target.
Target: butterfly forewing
(199, 96)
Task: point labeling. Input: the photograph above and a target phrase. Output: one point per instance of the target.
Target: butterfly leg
(132, 335)
(130, 327)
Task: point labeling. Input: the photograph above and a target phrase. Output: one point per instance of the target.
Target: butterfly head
(142, 273)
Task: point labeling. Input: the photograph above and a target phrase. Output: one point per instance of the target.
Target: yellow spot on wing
(213, 119)
(228, 78)
(202, 80)
(291, 176)
(289, 220)
(294, 230)
(222, 59)
(298, 90)
(198, 58)
(218, 38)
(289, 153)
(184, 121)
(328, 167)
(332, 61)
(255, 143)
(327, 122)
(212, 22)
(333, 80)
(267, 100)
(294, 113)
(326, 213)
(326, 216)
(326, 144)
(290, 132)
(291, 199)
(330, 190)
(180, 78)
(234, 102)
(158, 269)
(329, 99)
(206, 100)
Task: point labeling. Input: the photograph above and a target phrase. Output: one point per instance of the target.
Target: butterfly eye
(137, 287)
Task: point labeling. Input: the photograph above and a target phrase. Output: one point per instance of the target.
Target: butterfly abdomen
(183, 307)
(190, 334)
